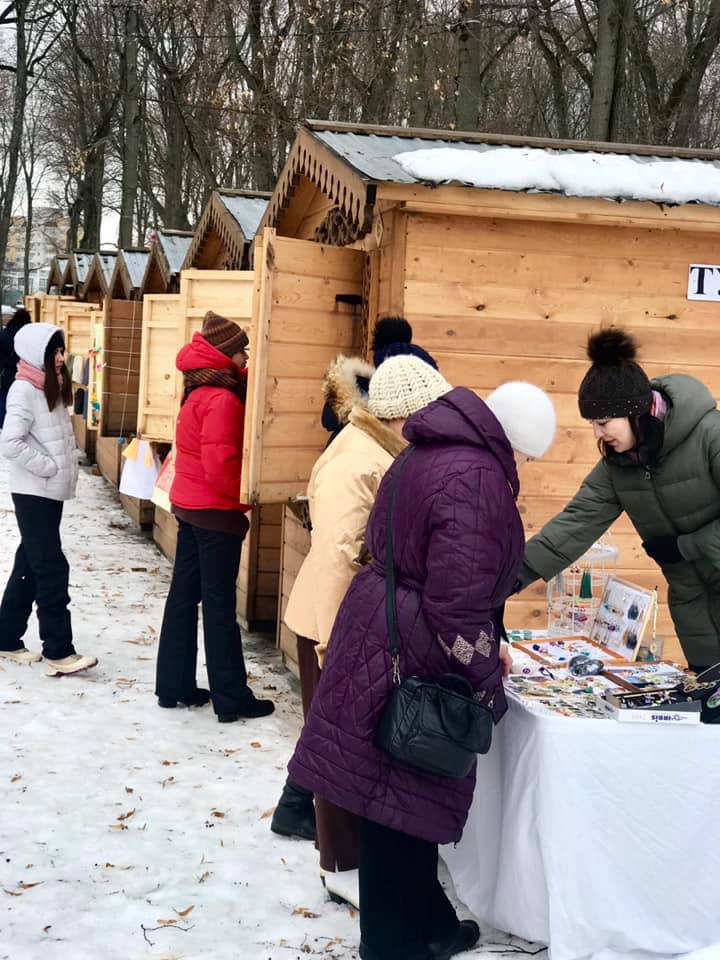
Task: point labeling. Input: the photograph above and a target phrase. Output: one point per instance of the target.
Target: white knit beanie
(402, 385)
(527, 415)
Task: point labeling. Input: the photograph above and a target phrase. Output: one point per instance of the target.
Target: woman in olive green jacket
(660, 445)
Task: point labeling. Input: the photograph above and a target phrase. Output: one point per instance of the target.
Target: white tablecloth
(598, 838)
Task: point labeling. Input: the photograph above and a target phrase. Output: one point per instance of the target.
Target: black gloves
(663, 550)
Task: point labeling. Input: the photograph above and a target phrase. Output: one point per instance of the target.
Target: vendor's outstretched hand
(663, 549)
(506, 659)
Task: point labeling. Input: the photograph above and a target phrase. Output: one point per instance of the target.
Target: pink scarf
(34, 375)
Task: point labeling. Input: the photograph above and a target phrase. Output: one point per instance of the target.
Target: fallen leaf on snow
(12, 893)
(169, 763)
(18, 776)
(129, 790)
(185, 912)
(256, 744)
(48, 927)
(118, 826)
(304, 912)
(268, 813)
(167, 923)
(168, 781)
(217, 813)
(29, 886)
(126, 816)
(204, 877)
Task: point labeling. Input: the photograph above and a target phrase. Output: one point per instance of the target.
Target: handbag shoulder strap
(390, 598)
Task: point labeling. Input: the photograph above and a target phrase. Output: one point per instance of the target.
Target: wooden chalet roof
(57, 273)
(99, 276)
(225, 230)
(128, 274)
(167, 254)
(76, 269)
(349, 162)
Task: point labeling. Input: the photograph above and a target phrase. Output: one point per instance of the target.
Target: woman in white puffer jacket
(38, 440)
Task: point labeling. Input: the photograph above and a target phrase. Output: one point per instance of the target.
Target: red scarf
(34, 375)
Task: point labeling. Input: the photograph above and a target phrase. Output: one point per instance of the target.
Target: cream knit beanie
(527, 415)
(403, 385)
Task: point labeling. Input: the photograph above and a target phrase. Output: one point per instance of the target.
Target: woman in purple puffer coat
(458, 544)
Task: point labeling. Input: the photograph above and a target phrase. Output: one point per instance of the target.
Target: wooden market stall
(498, 284)
(224, 235)
(76, 271)
(56, 276)
(168, 251)
(98, 278)
(119, 344)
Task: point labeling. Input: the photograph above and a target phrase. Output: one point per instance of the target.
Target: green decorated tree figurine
(586, 586)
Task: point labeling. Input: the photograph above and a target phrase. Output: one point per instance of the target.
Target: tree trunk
(262, 168)
(468, 65)
(91, 196)
(28, 227)
(605, 71)
(131, 127)
(15, 141)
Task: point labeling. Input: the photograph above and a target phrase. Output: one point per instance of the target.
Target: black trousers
(206, 571)
(40, 575)
(403, 906)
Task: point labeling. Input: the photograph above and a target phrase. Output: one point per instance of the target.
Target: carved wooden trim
(311, 158)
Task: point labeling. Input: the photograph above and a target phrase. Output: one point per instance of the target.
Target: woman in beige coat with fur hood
(341, 493)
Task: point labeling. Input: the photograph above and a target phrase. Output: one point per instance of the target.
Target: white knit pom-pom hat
(403, 385)
(527, 415)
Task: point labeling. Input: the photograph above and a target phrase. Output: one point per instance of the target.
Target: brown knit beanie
(223, 334)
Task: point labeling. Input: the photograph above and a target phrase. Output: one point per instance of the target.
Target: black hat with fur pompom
(615, 385)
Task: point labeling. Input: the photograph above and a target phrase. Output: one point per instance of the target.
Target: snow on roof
(247, 211)
(175, 248)
(574, 174)
(136, 261)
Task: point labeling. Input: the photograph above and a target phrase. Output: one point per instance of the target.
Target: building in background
(48, 237)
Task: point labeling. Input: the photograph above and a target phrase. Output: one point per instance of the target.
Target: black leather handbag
(432, 725)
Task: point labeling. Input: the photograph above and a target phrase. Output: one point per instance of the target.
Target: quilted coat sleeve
(221, 443)
(568, 535)
(704, 544)
(19, 420)
(471, 563)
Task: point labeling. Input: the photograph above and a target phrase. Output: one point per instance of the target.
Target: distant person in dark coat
(8, 357)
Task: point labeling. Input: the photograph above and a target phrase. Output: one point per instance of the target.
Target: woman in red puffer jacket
(205, 498)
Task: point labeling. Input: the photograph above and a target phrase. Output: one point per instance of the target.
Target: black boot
(295, 813)
(464, 938)
(198, 698)
(251, 708)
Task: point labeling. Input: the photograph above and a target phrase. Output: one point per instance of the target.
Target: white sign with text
(704, 282)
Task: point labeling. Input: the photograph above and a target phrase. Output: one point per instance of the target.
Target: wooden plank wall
(497, 300)
(295, 546)
(300, 330)
(159, 396)
(121, 373)
(78, 336)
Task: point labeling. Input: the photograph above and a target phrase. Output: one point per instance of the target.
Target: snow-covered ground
(128, 832)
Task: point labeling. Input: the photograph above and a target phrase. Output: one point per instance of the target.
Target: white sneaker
(72, 664)
(343, 886)
(22, 655)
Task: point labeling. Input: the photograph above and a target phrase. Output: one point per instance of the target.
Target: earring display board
(559, 651)
(622, 618)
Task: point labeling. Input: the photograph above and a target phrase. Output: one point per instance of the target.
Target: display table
(595, 837)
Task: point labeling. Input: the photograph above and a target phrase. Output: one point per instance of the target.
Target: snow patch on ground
(605, 175)
(134, 833)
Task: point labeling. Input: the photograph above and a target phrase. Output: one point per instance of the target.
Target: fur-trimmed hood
(390, 441)
(341, 389)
